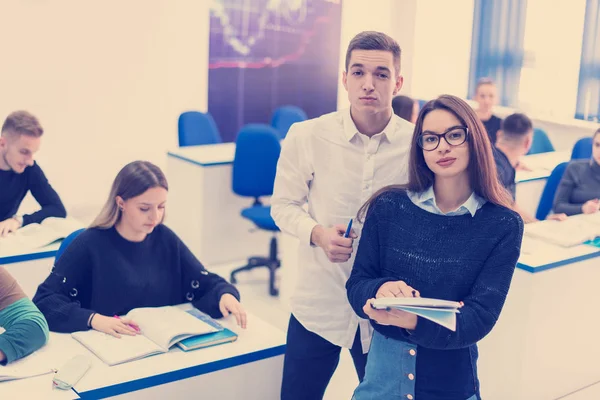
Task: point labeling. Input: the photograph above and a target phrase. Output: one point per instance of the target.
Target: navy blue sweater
(100, 271)
(15, 187)
(460, 258)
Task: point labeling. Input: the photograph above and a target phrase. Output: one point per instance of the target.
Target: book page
(34, 236)
(167, 325)
(572, 232)
(114, 350)
(445, 318)
(384, 302)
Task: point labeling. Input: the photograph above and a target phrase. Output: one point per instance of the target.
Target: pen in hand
(348, 229)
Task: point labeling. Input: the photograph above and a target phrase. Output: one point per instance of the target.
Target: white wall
(107, 81)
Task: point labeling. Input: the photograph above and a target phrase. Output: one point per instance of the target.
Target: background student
(128, 259)
(450, 234)
(334, 163)
(406, 108)
(25, 328)
(486, 98)
(579, 188)
(20, 139)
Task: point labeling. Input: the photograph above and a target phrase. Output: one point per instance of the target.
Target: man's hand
(591, 206)
(337, 248)
(8, 225)
(557, 217)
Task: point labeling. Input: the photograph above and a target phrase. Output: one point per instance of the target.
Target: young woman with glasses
(449, 234)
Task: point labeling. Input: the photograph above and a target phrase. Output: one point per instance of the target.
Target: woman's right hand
(115, 326)
(591, 206)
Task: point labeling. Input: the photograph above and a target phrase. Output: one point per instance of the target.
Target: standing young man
(19, 140)
(335, 163)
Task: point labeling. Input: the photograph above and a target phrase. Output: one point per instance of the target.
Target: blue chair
(582, 149)
(284, 116)
(66, 242)
(196, 128)
(257, 151)
(547, 198)
(541, 142)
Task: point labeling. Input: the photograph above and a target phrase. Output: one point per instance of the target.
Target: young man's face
(17, 150)
(486, 96)
(371, 80)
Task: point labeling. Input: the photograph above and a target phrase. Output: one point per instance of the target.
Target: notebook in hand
(223, 335)
(34, 236)
(160, 328)
(442, 312)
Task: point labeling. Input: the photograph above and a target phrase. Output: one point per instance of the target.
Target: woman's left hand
(230, 305)
(399, 318)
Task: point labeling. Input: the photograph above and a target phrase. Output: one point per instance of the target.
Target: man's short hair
(371, 40)
(484, 81)
(516, 126)
(22, 123)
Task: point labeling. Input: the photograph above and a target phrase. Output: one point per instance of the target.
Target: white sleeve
(292, 182)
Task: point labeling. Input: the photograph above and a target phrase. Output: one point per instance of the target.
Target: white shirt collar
(472, 204)
(350, 129)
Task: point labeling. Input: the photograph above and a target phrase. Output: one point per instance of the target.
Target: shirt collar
(350, 129)
(472, 204)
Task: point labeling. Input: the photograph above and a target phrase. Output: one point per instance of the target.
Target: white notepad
(35, 236)
(161, 328)
(442, 312)
(574, 231)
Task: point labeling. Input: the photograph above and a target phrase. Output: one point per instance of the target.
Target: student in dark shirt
(406, 108)
(450, 233)
(486, 98)
(19, 173)
(579, 188)
(128, 259)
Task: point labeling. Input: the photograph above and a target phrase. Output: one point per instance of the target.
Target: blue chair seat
(261, 217)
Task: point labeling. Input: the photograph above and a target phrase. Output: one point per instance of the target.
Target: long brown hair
(133, 180)
(483, 175)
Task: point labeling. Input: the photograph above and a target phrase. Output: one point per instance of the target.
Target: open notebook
(223, 335)
(442, 312)
(161, 328)
(574, 231)
(35, 236)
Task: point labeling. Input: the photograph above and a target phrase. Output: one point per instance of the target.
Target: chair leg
(272, 263)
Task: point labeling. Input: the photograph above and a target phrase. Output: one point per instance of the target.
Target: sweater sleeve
(26, 330)
(367, 276)
(484, 303)
(65, 293)
(204, 289)
(46, 196)
(564, 191)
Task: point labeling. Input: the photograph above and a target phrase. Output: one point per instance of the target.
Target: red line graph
(268, 62)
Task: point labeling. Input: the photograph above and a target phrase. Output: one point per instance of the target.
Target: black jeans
(310, 362)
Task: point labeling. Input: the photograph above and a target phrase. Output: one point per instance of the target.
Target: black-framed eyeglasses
(454, 136)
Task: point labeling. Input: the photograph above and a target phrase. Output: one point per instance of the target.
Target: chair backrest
(196, 128)
(283, 118)
(541, 142)
(547, 197)
(257, 150)
(582, 149)
(65, 243)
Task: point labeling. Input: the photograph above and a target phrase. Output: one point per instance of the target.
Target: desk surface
(538, 255)
(541, 165)
(206, 155)
(42, 252)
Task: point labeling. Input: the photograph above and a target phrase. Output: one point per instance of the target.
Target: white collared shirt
(326, 163)
(426, 201)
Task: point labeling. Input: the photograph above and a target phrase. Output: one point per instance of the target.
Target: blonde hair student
(129, 259)
(450, 234)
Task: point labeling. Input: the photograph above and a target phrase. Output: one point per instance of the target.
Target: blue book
(223, 335)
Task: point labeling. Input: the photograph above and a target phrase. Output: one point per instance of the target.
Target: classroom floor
(253, 289)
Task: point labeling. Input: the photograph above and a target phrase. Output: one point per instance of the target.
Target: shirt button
(411, 377)
(409, 396)
(368, 157)
(367, 186)
(412, 352)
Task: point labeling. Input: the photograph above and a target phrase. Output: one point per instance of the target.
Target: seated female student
(25, 328)
(485, 96)
(406, 108)
(128, 259)
(448, 234)
(579, 188)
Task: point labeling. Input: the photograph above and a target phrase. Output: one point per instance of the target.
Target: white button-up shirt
(326, 163)
(426, 201)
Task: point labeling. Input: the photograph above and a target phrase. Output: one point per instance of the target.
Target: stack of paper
(442, 312)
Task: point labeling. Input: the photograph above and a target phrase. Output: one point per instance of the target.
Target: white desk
(530, 184)
(204, 211)
(249, 368)
(545, 344)
(30, 268)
